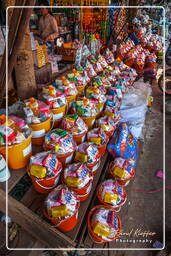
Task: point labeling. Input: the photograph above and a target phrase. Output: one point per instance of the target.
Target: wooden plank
(13, 180)
(16, 16)
(38, 228)
(33, 200)
(28, 241)
(85, 239)
(35, 252)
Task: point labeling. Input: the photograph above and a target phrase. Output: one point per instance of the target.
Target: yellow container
(19, 154)
(89, 120)
(58, 113)
(71, 98)
(39, 131)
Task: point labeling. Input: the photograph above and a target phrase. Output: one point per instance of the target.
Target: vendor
(47, 26)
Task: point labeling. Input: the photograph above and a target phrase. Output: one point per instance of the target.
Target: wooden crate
(68, 54)
(43, 75)
(28, 212)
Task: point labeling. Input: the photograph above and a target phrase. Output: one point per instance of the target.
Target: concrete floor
(145, 210)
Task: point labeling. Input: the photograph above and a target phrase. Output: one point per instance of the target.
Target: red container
(93, 167)
(110, 133)
(121, 182)
(117, 208)
(93, 236)
(64, 225)
(45, 189)
(82, 193)
(119, 55)
(102, 149)
(56, 123)
(139, 68)
(79, 138)
(65, 158)
(129, 62)
(45, 186)
(151, 65)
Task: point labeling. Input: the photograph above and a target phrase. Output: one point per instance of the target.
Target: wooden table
(28, 212)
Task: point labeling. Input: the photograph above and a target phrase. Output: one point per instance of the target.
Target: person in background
(47, 26)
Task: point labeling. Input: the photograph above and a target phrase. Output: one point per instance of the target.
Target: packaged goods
(109, 56)
(36, 111)
(74, 124)
(44, 165)
(16, 135)
(53, 97)
(85, 108)
(77, 175)
(123, 144)
(107, 124)
(13, 130)
(122, 170)
(60, 141)
(104, 225)
(98, 137)
(87, 153)
(111, 193)
(61, 208)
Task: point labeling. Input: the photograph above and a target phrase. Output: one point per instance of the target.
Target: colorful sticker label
(38, 134)
(27, 150)
(57, 116)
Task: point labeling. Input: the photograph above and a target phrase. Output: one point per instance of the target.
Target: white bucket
(4, 172)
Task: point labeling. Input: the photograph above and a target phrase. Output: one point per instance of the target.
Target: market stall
(77, 138)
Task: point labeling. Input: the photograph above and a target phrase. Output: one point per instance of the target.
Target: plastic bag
(136, 128)
(133, 106)
(123, 144)
(144, 88)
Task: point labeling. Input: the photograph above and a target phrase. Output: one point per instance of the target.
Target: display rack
(94, 20)
(28, 212)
